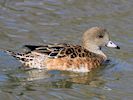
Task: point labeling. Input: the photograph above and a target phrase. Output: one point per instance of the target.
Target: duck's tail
(11, 53)
(19, 56)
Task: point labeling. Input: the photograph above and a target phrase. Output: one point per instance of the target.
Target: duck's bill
(112, 45)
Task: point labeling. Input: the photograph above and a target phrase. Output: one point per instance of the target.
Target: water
(40, 21)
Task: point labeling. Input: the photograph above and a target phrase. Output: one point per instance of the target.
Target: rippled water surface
(40, 21)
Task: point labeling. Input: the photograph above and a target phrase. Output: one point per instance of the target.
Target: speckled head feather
(68, 57)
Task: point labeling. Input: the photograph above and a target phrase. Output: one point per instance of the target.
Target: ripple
(29, 21)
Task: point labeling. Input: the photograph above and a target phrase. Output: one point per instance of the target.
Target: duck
(68, 57)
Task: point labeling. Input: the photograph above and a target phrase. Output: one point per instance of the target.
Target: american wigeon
(68, 57)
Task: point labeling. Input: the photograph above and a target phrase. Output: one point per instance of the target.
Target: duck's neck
(95, 49)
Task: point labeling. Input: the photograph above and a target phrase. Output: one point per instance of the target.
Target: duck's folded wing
(61, 50)
(51, 50)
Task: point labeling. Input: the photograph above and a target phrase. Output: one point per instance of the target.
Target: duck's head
(97, 37)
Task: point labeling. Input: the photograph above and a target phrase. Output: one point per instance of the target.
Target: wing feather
(51, 50)
(61, 50)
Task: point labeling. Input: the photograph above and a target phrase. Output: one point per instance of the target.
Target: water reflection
(22, 84)
(52, 79)
(57, 77)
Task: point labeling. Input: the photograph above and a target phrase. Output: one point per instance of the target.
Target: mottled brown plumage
(68, 57)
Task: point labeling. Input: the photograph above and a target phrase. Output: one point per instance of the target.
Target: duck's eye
(100, 36)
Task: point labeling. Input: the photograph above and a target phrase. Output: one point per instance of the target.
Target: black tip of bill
(117, 47)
